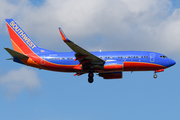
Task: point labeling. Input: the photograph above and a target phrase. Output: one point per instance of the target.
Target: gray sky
(106, 25)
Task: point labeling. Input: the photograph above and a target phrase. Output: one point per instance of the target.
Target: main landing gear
(91, 75)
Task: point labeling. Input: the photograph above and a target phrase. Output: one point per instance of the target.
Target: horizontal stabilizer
(16, 54)
(10, 59)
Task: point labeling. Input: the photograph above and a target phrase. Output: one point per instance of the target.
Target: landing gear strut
(90, 75)
(161, 70)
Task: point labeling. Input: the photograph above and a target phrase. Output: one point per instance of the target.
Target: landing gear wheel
(155, 76)
(90, 80)
(90, 75)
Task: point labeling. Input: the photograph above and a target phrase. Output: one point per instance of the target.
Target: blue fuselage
(132, 60)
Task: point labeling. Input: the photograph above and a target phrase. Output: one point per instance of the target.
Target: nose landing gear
(155, 75)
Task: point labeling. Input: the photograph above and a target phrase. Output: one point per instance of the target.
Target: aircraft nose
(171, 62)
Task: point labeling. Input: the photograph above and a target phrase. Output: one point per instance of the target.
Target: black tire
(155, 76)
(90, 80)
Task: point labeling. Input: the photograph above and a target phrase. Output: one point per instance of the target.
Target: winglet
(65, 39)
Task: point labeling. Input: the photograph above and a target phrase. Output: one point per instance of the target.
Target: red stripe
(63, 37)
(140, 66)
(113, 67)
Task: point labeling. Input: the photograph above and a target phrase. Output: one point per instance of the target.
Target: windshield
(162, 56)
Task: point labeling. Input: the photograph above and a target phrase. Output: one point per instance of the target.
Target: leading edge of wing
(79, 50)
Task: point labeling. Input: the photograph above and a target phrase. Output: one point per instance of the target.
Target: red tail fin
(20, 40)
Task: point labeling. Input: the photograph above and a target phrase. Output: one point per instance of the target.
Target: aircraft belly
(141, 66)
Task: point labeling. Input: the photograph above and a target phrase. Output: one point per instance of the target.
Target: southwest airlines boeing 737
(109, 65)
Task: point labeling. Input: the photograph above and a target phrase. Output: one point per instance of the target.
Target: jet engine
(115, 75)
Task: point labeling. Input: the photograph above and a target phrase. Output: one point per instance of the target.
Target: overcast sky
(145, 25)
(107, 25)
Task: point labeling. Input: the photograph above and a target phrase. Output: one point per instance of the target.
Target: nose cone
(171, 62)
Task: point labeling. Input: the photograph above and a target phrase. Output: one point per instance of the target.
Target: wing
(85, 58)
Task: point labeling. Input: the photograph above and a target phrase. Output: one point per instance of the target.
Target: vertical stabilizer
(20, 40)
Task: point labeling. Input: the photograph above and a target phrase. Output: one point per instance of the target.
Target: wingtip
(65, 39)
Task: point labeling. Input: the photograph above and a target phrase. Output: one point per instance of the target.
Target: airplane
(107, 64)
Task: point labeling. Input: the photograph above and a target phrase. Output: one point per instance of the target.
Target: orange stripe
(16, 48)
(28, 61)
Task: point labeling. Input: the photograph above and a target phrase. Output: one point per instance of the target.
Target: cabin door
(152, 57)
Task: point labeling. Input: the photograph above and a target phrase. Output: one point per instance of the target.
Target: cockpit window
(162, 56)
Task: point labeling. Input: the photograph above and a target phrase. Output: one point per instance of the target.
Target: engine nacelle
(113, 66)
(116, 75)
